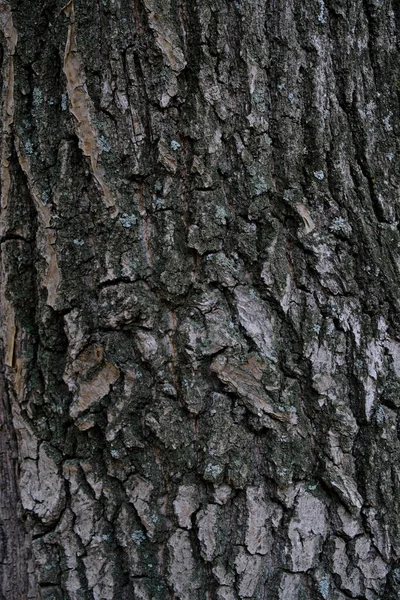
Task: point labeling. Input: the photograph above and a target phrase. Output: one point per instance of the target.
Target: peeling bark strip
(10, 40)
(46, 234)
(81, 106)
(200, 283)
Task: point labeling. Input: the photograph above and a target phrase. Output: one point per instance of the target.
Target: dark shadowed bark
(200, 300)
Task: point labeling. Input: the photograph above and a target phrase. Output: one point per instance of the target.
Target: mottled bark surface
(200, 298)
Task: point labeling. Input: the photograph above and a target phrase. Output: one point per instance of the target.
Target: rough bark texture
(14, 551)
(201, 298)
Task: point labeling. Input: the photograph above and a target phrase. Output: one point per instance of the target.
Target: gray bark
(200, 292)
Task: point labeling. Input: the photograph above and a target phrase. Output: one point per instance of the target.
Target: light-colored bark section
(182, 570)
(307, 531)
(42, 487)
(186, 503)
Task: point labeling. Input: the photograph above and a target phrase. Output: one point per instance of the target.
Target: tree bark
(14, 545)
(200, 289)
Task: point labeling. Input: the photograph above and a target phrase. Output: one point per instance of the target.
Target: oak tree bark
(200, 300)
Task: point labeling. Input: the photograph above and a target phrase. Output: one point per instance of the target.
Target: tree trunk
(200, 300)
